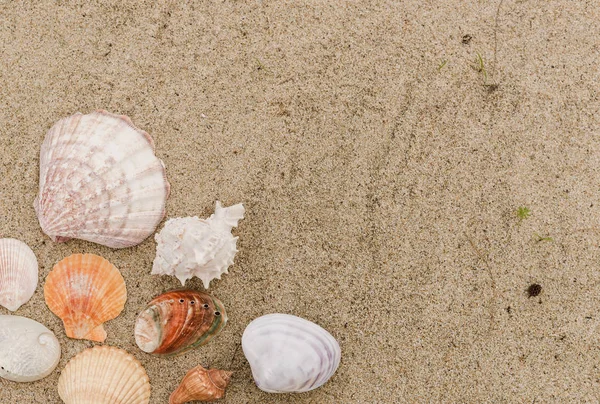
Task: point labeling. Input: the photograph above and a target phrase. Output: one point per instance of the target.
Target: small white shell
(18, 273)
(100, 181)
(104, 375)
(191, 246)
(28, 350)
(289, 354)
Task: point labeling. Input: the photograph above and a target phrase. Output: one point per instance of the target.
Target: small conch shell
(28, 350)
(100, 181)
(85, 291)
(289, 354)
(191, 246)
(18, 273)
(201, 384)
(104, 375)
(178, 321)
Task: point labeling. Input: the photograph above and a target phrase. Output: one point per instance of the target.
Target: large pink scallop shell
(100, 181)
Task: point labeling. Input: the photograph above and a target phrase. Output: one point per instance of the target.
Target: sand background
(380, 169)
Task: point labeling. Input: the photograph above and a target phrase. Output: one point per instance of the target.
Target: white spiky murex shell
(104, 375)
(18, 273)
(289, 354)
(205, 248)
(28, 350)
(100, 181)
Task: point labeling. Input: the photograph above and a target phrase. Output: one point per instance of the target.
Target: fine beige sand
(381, 165)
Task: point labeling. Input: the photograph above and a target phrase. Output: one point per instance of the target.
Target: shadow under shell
(178, 321)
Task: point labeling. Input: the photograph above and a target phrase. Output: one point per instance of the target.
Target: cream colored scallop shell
(190, 246)
(100, 181)
(104, 375)
(18, 273)
(28, 350)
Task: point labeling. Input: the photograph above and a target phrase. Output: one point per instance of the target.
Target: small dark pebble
(466, 39)
(534, 290)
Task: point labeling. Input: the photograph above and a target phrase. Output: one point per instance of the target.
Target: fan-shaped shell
(201, 384)
(104, 375)
(190, 246)
(18, 273)
(178, 321)
(85, 290)
(100, 181)
(289, 354)
(28, 350)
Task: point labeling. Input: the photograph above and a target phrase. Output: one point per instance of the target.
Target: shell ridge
(156, 167)
(106, 374)
(50, 225)
(77, 119)
(18, 273)
(51, 139)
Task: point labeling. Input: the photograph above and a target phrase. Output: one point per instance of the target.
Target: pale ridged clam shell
(289, 354)
(201, 384)
(104, 375)
(28, 350)
(100, 181)
(85, 291)
(178, 321)
(18, 273)
(191, 246)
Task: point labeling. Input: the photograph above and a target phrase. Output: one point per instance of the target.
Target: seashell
(201, 384)
(18, 273)
(289, 354)
(178, 321)
(28, 350)
(85, 291)
(104, 375)
(190, 246)
(100, 181)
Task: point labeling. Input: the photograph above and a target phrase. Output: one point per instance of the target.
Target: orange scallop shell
(201, 384)
(85, 291)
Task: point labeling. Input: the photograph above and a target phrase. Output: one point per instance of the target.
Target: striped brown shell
(178, 321)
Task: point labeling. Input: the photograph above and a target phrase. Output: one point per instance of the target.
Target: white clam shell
(104, 375)
(100, 181)
(18, 273)
(190, 246)
(289, 354)
(28, 350)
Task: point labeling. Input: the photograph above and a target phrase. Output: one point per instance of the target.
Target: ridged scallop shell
(178, 321)
(18, 273)
(85, 291)
(191, 246)
(104, 375)
(28, 350)
(100, 181)
(201, 384)
(289, 354)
